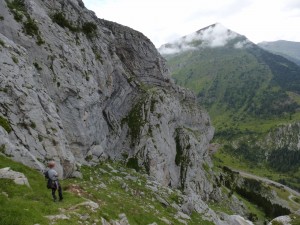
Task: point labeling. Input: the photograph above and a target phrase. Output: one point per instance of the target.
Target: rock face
(76, 89)
(284, 136)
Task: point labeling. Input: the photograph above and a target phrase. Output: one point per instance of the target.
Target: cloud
(216, 36)
(159, 20)
(242, 44)
(213, 36)
(177, 47)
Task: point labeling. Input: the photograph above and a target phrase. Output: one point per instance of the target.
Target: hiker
(53, 182)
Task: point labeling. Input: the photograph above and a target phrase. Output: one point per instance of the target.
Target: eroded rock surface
(77, 89)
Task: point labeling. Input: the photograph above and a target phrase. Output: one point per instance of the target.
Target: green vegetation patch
(30, 27)
(295, 219)
(15, 59)
(21, 205)
(61, 20)
(135, 120)
(133, 163)
(2, 43)
(89, 29)
(17, 8)
(5, 124)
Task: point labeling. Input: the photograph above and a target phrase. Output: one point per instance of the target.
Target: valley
(133, 142)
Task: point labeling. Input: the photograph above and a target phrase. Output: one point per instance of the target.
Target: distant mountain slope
(252, 95)
(230, 73)
(287, 49)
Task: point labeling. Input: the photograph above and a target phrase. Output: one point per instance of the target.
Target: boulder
(17, 177)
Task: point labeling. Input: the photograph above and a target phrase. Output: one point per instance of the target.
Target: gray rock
(166, 221)
(103, 186)
(90, 204)
(182, 216)
(58, 217)
(77, 174)
(19, 178)
(162, 201)
(73, 100)
(104, 222)
(4, 193)
(285, 220)
(84, 217)
(237, 220)
(132, 178)
(182, 221)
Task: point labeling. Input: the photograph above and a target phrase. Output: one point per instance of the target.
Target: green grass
(277, 223)
(295, 219)
(220, 207)
(197, 219)
(220, 159)
(283, 194)
(29, 205)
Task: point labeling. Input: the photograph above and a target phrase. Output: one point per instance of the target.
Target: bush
(31, 28)
(89, 29)
(133, 163)
(61, 20)
(17, 8)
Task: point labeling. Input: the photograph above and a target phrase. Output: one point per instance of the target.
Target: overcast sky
(165, 20)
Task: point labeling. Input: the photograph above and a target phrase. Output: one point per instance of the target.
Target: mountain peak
(215, 35)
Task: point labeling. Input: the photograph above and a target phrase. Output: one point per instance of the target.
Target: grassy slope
(236, 84)
(101, 184)
(240, 85)
(290, 50)
(28, 205)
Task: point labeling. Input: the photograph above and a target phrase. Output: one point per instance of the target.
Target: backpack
(50, 184)
(46, 174)
(49, 181)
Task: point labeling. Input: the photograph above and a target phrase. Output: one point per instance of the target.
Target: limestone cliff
(75, 88)
(78, 89)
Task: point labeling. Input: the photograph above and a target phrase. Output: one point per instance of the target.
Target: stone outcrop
(284, 136)
(17, 177)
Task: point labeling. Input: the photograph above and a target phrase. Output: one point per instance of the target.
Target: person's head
(51, 164)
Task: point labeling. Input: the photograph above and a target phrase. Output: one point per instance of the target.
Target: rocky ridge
(77, 89)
